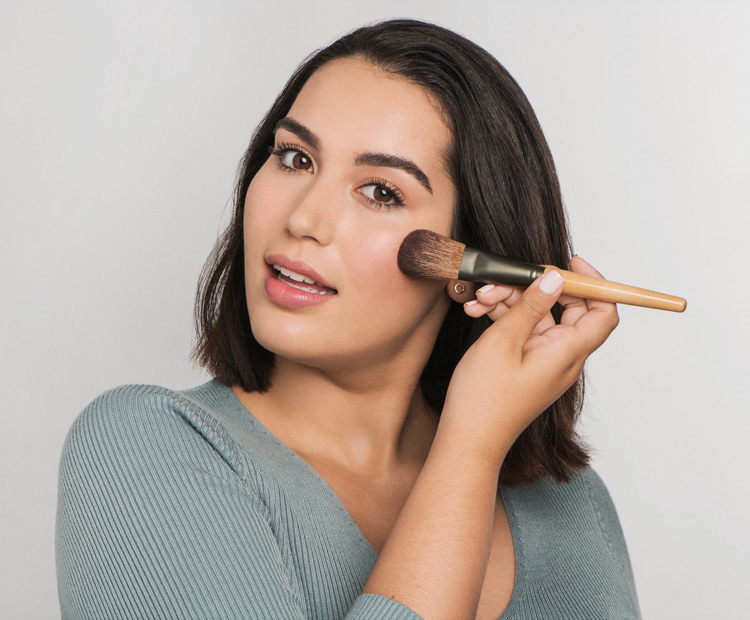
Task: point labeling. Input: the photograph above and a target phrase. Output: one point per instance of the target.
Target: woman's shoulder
(154, 510)
(585, 499)
(122, 412)
(585, 489)
(578, 515)
(580, 512)
(587, 494)
(569, 533)
(139, 424)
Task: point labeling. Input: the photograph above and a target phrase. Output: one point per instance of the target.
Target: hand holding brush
(427, 255)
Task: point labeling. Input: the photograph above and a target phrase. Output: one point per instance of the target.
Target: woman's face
(358, 163)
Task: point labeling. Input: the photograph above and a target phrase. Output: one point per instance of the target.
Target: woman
(344, 461)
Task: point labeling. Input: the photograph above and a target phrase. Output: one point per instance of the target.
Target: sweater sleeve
(154, 522)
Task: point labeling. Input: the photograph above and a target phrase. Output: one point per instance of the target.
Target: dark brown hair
(509, 203)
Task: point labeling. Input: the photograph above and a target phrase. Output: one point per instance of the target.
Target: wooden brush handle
(578, 285)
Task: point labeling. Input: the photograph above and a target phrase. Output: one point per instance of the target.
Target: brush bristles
(428, 255)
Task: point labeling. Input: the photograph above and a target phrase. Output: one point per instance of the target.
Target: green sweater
(182, 505)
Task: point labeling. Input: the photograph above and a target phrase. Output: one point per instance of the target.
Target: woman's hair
(508, 202)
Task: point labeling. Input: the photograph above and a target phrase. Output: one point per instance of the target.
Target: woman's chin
(294, 345)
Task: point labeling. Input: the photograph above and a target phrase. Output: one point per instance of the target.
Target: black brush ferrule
(479, 266)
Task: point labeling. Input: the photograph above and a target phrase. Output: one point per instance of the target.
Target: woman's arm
(152, 523)
(436, 556)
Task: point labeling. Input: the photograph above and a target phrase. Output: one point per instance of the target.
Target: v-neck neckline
(519, 574)
(304, 466)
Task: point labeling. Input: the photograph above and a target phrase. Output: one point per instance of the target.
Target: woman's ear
(462, 291)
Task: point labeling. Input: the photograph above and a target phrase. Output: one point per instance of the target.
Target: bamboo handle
(578, 285)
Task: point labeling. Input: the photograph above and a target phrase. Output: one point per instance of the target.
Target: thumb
(536, 301)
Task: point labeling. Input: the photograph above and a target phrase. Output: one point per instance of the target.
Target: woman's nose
(314, 213)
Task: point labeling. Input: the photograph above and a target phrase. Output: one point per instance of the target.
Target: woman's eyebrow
(394, 161)
(363, 159)
(299, 129)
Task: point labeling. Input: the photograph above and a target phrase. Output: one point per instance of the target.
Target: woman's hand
(524, 361)
(520, 365)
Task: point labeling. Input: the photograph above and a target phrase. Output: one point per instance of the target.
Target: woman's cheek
(376, 259)
(263, 205)
(387, 291)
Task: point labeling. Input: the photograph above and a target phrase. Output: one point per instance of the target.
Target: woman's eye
(381, 195)
(297, 160)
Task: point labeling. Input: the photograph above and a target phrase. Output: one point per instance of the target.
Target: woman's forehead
(351, 101)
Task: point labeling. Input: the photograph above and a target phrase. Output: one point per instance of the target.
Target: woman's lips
(302, 270)
(292, 289)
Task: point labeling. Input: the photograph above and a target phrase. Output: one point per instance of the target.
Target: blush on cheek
(385, 285)
(376, 261)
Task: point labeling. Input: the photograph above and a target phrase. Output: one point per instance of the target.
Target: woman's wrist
(472, 436)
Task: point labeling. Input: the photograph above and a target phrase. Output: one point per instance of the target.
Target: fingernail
(486, 288)
(470, 303)
(550, 282)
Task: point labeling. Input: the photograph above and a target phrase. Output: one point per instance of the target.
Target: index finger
(598, 318)
(517, 324)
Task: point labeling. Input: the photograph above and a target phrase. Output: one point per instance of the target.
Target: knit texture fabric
(180, 504)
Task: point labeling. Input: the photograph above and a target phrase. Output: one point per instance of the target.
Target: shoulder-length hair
(509, 203)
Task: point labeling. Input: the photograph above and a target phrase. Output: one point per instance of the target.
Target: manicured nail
(486, 288)
(551, 281)
(470, 303)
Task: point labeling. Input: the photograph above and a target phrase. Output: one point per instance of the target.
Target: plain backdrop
(121, 127)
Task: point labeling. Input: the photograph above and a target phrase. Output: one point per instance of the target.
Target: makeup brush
(428, 255)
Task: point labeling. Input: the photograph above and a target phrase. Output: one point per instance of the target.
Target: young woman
(344, 461)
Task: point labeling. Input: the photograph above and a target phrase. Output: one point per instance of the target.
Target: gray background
(121, 126)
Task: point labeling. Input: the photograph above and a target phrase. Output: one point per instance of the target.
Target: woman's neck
(367, 422)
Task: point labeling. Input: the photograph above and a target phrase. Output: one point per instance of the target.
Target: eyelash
(398, 198)
(283, 148)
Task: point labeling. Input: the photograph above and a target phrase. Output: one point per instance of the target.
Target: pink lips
(289, 293)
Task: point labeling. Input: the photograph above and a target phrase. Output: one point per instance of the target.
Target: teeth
(297, 277)
(309, 290)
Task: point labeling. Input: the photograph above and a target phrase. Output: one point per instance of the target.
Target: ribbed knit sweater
(180, 504)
